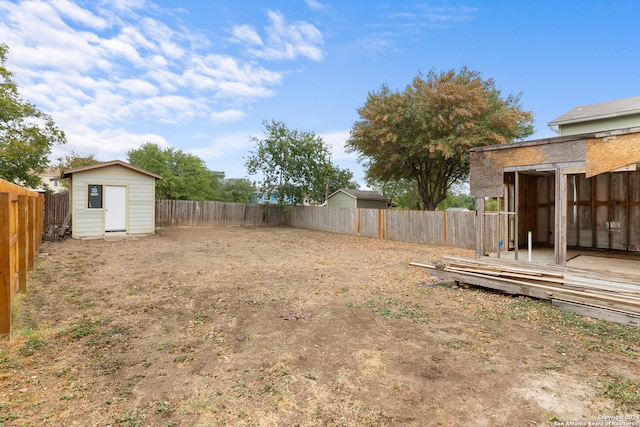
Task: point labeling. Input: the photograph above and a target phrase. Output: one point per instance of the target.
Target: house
(577, 190)
(263, 198)
(50, 181)
(111, 197)
(348, 198)
(619, 114)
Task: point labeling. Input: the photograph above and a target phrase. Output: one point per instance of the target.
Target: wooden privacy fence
(192, 213)
(56, 207)
(441, 228)
(21, 221)
(455, 229)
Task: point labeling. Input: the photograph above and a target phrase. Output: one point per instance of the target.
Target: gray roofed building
(604, 116)
(348, 198)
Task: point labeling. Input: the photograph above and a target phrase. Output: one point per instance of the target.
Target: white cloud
(227, 77)
(79, 15)
(227, 115)
(139, 87)
(288, 41)
(105, 145)
(314, 4)
(427, 16)
(284, 41)
(245, 33)
(224, 145)
(336, 142)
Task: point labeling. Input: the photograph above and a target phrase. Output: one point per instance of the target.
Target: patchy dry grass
(263, 326)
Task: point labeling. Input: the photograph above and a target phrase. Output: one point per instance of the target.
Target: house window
(95, 196)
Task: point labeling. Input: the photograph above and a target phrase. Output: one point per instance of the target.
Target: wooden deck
(599, 294)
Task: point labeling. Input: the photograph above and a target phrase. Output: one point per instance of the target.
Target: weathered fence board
(21, 221)
(56, 207)
(455, 229)
(192, 213)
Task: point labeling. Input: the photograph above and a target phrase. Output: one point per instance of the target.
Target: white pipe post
(529, 243)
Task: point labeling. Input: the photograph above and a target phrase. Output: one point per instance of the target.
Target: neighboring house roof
(360, 194)
(603, 110)
(67, 173)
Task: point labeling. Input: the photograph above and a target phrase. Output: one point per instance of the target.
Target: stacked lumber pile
(610, 296)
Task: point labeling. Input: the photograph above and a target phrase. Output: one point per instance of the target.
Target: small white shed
(111, 197)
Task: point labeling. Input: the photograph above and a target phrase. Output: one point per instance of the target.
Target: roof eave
(67, 173)
(558, 122)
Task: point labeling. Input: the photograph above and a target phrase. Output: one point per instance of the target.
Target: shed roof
(67, 173)
(603, 110)
(361, 194)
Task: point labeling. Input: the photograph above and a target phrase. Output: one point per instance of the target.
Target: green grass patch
(398, 309)
(597, 334)
(625, 394)
(7, 362)
(32, 346)
(5, 414)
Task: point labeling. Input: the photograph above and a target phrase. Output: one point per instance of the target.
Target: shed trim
(67, 173)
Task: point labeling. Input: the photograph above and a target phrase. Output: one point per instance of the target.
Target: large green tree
(403, 193)
(424, 133)
(184, 175)
(236, 190)
(294, 164)
(71, 161)
(27, 135)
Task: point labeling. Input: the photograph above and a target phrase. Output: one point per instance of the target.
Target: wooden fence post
(33, 237)
(5, 264)
(25, 243)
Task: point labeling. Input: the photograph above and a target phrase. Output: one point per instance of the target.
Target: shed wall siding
(341, 200)
(600, 125)
(140, 200)
(372, 204)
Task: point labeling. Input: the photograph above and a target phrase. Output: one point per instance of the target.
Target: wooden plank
(568, 273)
(585, 300)
(33, 235)
(5, 264)
(23, 242)
(538, 288)
(507, 286)
(596, 312)
(550, 288)
(573, 282)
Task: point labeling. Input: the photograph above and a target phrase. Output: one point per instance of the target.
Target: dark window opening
(95, 196)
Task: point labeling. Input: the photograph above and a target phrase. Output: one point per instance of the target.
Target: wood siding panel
(607, 154)
(372, 204)
(600, 125)
(341, 200)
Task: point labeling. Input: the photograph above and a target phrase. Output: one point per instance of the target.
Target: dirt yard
(284, 327)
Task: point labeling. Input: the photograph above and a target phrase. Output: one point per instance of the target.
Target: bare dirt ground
(284, 327)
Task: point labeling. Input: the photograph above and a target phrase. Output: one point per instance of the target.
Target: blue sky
(202, 76)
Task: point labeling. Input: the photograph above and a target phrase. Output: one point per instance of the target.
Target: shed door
(115, 208)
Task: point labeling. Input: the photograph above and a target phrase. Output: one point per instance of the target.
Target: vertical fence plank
(24, 242)
(5, 264)
(33, 236)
